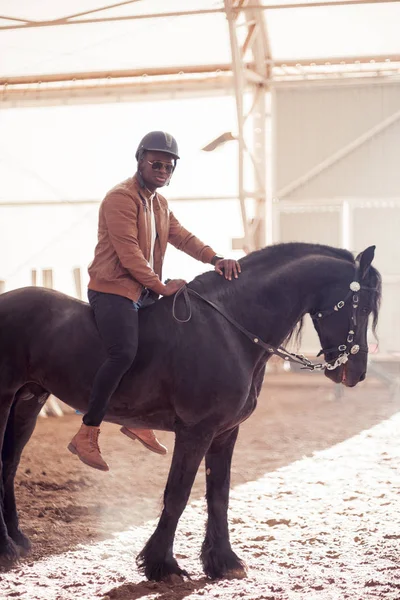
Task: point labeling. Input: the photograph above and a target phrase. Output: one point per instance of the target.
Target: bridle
(349, 348)
(345, 350)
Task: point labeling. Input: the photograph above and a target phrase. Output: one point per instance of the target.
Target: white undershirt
(153, 231)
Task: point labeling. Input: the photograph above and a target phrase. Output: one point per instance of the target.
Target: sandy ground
(315, 504)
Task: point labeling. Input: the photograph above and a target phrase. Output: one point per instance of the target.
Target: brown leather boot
(147, 438)
(85, 445)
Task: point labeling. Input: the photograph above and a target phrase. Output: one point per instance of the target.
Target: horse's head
(342, 323)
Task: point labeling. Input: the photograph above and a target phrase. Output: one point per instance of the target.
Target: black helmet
(158, 141)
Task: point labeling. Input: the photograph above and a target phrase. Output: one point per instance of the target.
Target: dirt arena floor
(315, 504)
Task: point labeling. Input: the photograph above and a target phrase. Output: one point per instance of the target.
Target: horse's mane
(293, 250)
(272, 257)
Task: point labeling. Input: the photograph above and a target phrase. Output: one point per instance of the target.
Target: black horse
(199, 378)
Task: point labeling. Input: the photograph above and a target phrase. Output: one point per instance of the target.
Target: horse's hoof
(239, 573)
(224, 566)
(9, 554)
(24, 550)
(164, 569)
(177, 578)
(23, 543)
(173, 579)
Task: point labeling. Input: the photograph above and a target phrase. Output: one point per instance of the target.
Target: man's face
(156, 169)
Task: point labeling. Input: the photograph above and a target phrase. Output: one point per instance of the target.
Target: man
(135, 225)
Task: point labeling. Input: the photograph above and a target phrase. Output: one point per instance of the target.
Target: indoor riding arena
(287, 118)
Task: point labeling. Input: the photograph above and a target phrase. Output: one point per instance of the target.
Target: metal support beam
(239, 84)
(49, 203)
(262, 139)
(338, 60)
(95, 10)
(249, 41)
(253, 83)
(121, 85)
(236, 8)
(192, 80)
(193, 70)
(117, 74)
(44, 95)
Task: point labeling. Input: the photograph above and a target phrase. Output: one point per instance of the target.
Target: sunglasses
(157, 165)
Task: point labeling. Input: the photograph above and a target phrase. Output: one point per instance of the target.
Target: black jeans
(118, 324)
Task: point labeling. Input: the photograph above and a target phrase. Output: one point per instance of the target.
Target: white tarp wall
(337, 179)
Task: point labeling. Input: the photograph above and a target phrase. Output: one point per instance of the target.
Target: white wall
(313, 123)
(352, 202)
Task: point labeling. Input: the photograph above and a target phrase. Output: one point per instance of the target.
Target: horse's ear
(364, 259)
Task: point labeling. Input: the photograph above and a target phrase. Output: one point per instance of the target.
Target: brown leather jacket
(120, 265)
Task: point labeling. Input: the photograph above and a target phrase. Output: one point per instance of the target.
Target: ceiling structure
(79, 51)
(86, 50)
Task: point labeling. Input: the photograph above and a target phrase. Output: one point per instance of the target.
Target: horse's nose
(362, 377)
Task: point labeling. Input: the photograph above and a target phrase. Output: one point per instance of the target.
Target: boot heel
(71, 448)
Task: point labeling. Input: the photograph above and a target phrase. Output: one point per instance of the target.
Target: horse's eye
(366, 310)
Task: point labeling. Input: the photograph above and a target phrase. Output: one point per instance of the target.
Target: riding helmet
(158, 141)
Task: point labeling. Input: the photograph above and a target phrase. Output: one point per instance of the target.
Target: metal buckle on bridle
(339, 305)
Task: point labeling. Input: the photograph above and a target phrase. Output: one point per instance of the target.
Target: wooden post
(78, 282)
(47, 276)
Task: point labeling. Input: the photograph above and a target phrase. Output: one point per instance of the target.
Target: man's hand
(172, 287)
(228, 267)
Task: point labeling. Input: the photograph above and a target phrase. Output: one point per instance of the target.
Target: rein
(344, 349)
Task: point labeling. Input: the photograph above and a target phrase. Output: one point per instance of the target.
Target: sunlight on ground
(316, 524)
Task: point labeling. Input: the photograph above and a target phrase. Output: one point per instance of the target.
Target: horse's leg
(217, 557)
(156, 559)
(20, 426)
(9, 552)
